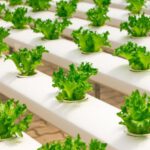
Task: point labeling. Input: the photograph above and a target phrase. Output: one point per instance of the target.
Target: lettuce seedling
(51, 29)
(73, 85)
(15, 2)
(135, 6)
(138, 56)
(97, 145)
(102, 3)
(18, 18)
(8, 15)
(89, 41)
(73, 144)
(26, 60)
(2, 10)
(135, 113)
(14, 119)
(137, 26)
(65, 8)
(2, 7)
(98, 16)
(69, 144)
(3, 34)
(3, 48)
(39, 5)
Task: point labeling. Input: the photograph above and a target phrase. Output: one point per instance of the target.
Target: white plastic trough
(116, 37)
(25, 143)
(92, 118)
(113, 71)
(116, 15)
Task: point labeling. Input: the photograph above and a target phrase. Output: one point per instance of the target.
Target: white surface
(120, 37)
(116, 37)
(92, 118)
(63, 52)
(114, 71)
(25, 143)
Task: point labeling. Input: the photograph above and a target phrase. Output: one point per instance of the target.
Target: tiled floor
(45, 132)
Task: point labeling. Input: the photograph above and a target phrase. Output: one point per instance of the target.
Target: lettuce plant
(39, 5)
(7, 15)
(15, 2)
(3, 48)
(97, 145)
(138, 56)
(26, 60)
(2, 7)
(69, 144)
(73, 85)
(14, 119)
(3, 34)
(89, 41)
(51, 29)
(102, 3)
(137, 26)
(65, 8)
(98, 16)
(18, 18)
(135, 6)
(74, 144)
(2, 10)
(135, 113)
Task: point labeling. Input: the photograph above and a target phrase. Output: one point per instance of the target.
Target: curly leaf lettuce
(138, 56)
(14, 119)
(73, 85)
(65, 9)
(39, 5)
(74, 144)
(135, 113)
(98, 16)
(15, 2)
(51, 29)
(18, 18)
(137, 26)
(26, 60)
(135, 6)
(102, 3)
(89, 41)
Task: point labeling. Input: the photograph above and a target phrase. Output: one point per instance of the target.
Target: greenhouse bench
(91, 119)
(116, 15)
(116, 37)
(113, 71)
